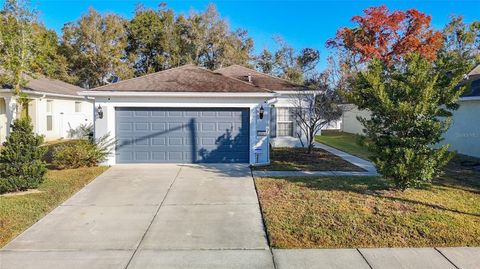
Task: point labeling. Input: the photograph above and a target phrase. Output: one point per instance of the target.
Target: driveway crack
(153, 219)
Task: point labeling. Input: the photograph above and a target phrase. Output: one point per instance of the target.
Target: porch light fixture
(100, 112)
(260, 112)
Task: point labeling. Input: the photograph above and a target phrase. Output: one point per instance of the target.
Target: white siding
(62, 111)
(64, 117)
(463, 136)
(464, 133)
(3, 120)
(350, 124)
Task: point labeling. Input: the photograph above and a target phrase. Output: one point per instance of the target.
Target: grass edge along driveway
(19, 212)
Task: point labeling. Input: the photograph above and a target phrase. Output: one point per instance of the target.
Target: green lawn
(348, 212)
(343, 141)
(297, 159)
(17, 213)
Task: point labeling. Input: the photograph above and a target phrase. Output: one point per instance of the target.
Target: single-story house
(191, 114)
(55, 108)
(184, 114)
(463, 136)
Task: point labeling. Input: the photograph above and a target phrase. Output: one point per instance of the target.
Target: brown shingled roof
(187, 78)
(260, 79)
(48, 85)
(475, 73)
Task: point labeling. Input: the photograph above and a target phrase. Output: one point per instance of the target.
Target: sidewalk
(392, 258)
(369, 168)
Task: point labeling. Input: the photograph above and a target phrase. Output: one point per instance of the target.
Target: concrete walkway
(151, 216)
(379, 258)
(369, 168)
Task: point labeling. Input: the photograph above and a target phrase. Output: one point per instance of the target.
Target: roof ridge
(147, 75)
(183, 66)
(236, 79)
(265, 74)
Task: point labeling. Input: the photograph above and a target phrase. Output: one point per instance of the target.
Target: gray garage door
(192, 135)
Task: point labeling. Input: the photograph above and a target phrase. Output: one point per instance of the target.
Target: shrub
(411, 109)
(83, 131)
(82, 153)
(21, 164)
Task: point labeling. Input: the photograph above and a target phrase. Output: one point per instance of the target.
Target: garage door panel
(142, 126)
(182, 135)
(158, 113)
(141, 113)
(159, 155)
(125, 126)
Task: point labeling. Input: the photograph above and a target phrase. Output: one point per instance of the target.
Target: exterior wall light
(100, 112)
(260, 112)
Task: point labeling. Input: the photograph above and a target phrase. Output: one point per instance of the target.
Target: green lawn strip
(297, 159)
(17, 213)
(350, 212)
(343, 141)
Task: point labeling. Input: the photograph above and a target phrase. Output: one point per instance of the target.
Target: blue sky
(301, 23)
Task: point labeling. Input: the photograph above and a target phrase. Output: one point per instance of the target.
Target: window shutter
(273, 122)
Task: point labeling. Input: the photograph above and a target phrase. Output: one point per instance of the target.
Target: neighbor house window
(78, 106)
(284, 122)
(49, 115)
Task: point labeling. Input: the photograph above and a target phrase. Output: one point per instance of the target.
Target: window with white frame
(284, 122)
(49, 115)
(78, 106)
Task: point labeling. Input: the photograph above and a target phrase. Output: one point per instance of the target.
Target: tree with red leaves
(388, 36)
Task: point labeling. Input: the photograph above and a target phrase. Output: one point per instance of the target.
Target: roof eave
(176, 94)
(45, 93)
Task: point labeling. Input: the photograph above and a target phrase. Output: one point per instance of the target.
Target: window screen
(49, 122)
(49, 115)
(78, 107)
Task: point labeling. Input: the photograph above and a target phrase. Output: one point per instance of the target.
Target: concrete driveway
(151, 216)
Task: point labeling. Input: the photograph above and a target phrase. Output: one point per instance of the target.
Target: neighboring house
(463, 135)
(283, 129)
(350, 123)
(55, 108)
(185, 114)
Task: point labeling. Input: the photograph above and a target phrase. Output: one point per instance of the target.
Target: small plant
(82, 153)
(21, 164)
(83, 131)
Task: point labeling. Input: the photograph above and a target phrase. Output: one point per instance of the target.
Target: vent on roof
(249, 78)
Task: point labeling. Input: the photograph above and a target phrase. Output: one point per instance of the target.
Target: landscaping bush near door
(21, 158)
(81, 153)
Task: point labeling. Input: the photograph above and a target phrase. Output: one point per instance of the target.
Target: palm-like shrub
(82, 153)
